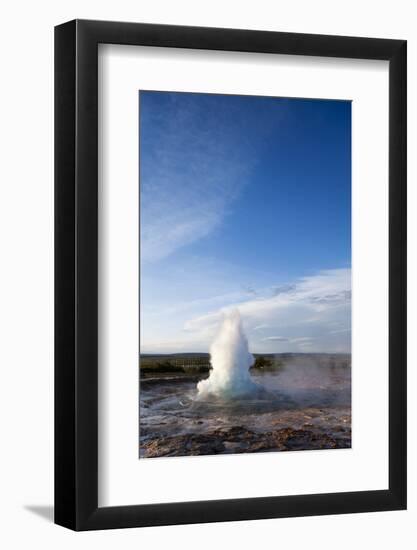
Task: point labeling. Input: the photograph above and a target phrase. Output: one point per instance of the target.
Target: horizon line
(253, 353)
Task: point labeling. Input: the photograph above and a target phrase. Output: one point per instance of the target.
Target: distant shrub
(160, 366)
(262, 363)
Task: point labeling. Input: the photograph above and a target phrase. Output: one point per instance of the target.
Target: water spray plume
(230, 360)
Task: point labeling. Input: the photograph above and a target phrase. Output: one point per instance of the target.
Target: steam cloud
(231, 360)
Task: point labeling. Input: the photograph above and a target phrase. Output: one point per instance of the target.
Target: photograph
(208, 273)
(245, 274)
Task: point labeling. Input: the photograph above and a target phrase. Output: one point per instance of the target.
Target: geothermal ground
(303, 403)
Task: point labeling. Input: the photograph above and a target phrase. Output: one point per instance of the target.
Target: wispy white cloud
(312, 315)
(340, 331)
(261, 327)
(303, 341)
(189, 179)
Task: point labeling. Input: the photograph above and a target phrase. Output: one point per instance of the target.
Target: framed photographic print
(230, 252)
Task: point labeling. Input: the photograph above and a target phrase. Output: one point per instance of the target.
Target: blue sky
(245, 202)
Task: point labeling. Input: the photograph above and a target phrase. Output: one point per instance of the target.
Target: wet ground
(298, 408)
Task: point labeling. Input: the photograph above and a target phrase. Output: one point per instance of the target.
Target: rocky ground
(307, 415)
(239, 439)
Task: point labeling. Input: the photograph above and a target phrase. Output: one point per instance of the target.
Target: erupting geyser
(230, 361)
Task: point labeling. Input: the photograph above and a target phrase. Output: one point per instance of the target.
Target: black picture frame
(76, 272)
